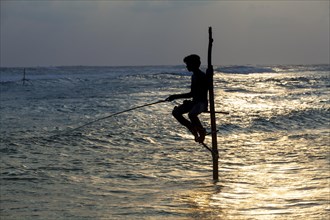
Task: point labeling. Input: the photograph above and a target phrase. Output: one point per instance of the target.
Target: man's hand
(209, 70)
(170, 98)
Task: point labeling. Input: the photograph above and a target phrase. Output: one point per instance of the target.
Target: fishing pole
(118, 113)
(114, 114)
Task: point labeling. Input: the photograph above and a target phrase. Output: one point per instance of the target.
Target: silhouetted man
(199, 102)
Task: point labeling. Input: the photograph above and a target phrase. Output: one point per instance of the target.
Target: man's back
(199, 87)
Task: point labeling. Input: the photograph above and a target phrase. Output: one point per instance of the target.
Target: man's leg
(178, 112)
(197, 125)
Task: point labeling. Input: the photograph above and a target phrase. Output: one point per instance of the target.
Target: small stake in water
(24, 77)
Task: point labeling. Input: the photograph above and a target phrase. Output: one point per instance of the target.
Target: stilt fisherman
(198, 102)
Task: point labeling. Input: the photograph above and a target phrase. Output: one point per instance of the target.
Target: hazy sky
(51, 33)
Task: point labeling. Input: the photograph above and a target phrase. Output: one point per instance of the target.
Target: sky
(127, 33)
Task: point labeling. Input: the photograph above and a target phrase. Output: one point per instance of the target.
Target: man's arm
(179, 96)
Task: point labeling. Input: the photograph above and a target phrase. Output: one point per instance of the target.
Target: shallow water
(274, 156)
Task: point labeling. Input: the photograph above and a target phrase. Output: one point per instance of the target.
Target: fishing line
(109, 116)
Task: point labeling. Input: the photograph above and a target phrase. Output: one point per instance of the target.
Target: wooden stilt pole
(209, 72)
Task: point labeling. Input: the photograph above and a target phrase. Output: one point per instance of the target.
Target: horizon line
(158, 65)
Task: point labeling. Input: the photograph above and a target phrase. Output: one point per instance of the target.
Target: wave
(311, 119)
(249, 69)
(303, 68)
(237, 69)
(296, 120)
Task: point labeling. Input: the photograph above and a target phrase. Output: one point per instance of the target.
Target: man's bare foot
(202, 134)
(195, 133)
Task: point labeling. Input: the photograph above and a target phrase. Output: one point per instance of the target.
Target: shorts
(194, 108)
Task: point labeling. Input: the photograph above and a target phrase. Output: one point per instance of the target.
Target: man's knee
(175, 112)
(192, 115)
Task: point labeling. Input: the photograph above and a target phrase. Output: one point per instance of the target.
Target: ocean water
(274, 145)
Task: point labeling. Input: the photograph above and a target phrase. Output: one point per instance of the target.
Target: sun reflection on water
(273, 169)
(263, 179)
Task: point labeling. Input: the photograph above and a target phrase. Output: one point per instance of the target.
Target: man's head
(193, 62)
